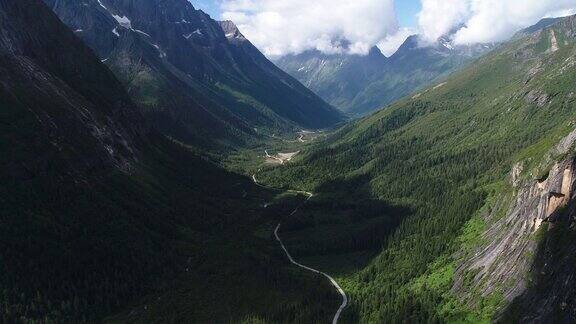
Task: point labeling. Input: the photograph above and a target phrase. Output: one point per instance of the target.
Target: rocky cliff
(507, 264)
(85, 116)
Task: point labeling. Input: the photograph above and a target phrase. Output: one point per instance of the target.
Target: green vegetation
(103, 218)
(441, 159)
(178, 236)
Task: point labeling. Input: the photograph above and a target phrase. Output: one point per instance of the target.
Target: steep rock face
(512, 261)
(79, 105)
(194, 80)
(366, 83)
(502, 265)
(521, 247)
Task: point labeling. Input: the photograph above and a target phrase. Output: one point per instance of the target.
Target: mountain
(366, 83)
(103, 218)
(455, 204)
(197, 79)
(337, 78)
(544, 23)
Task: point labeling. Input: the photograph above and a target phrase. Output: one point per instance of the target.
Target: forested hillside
(437, 168)
(102, 215)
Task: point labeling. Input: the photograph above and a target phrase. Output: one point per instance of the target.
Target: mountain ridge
(195, 84)
(413, 66)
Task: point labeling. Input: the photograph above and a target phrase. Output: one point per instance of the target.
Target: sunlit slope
(443, 154)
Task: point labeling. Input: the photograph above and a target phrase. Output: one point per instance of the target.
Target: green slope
(103, 218)
(440, 156)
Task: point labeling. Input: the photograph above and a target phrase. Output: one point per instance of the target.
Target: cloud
(486, 20)
(280, 27)
(391, 43)
(438, 17)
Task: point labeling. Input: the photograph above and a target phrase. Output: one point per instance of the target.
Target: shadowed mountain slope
(101, 215)
(199, 80)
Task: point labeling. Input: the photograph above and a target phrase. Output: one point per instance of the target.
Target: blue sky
(406, 10)
(209, 6)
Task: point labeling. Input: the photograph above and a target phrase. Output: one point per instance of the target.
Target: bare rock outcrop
(502, 264)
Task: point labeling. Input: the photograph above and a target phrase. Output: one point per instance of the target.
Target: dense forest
(105, 219)
(442, 157)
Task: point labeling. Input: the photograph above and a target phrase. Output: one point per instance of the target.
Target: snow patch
(101, 5)
(196, 32)
(448, 45)
(162, 53)
(115, 32)
(123, 21)
(141, 32)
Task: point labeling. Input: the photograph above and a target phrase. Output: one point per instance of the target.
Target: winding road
(296, 263)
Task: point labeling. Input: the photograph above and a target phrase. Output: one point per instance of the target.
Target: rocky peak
(231, 31)
(375, 52)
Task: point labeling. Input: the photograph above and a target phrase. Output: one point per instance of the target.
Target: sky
(406, 10)
(281, 27)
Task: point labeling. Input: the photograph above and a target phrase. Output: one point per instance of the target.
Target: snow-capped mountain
(367, 83)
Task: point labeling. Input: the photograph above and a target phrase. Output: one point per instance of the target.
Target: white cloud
(280, 27)
(486, 20)
(438, 17)
(391, 43)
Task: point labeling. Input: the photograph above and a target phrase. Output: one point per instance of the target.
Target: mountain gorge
(359, 84)
(198, 80)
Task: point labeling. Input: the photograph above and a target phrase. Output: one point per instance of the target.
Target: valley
(157, 167)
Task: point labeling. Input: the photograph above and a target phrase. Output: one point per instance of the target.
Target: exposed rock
(78, 104)
(537, 97)
(501, 265)
(533, 72)
(553, 42)
(515, 174)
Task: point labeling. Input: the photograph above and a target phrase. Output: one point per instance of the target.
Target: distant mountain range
(360, 84)
(199, 80)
